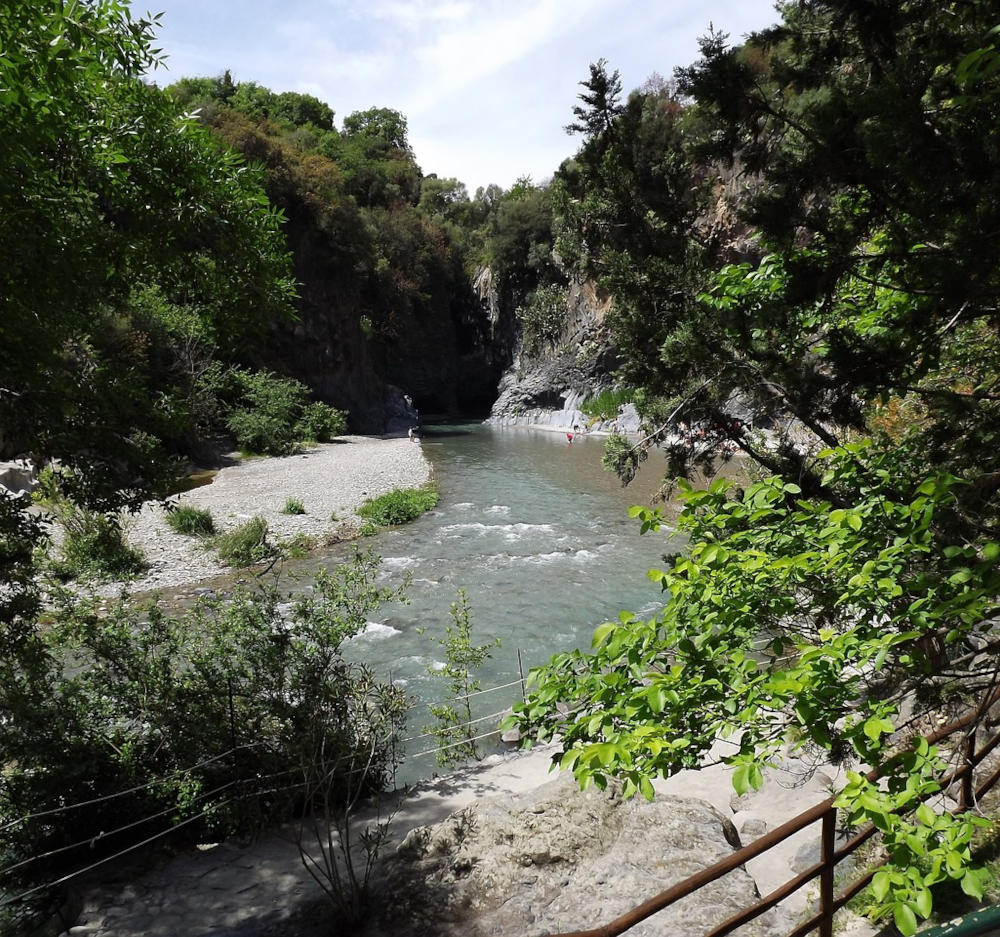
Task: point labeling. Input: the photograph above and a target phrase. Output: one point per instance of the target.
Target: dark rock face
(444, 352)
(558, 859)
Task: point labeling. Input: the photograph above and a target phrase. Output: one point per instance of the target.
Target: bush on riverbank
(93, 545)
(397, 507)
(209, 721)
(272, 415)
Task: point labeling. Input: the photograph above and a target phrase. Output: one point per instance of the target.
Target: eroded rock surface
(559, 859)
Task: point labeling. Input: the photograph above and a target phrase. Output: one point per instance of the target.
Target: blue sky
(486, 85)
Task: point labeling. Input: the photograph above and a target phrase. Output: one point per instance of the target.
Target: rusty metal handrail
(830, 857)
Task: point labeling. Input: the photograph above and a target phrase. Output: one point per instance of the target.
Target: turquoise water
(538, 535)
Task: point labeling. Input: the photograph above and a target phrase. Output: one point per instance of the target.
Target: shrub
(397, 507)
(542, 318)
(320, 422)
(268, 411)
(93, 544)
(157, 699)
(245, 545)
(187, 519)
(271, 415)
(293, 506)
(96, 548)
(608, 401)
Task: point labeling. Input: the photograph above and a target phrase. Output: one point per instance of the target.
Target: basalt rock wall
(437, 357)
(547, 387)
(562, 374)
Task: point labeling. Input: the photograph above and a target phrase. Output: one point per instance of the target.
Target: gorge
(786, 252)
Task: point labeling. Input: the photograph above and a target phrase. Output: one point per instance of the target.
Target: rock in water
(558, 859)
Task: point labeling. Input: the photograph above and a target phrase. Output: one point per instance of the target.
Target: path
(255, 890)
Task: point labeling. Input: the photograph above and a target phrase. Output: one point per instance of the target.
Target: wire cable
(434, 733)
(444, 748)
(10, 899)
(139, 787)
(91, 840)
(490, 689)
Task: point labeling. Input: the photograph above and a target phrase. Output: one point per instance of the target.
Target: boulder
(558, 859)
(18, 477)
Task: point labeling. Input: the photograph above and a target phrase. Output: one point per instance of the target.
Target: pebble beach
(331, 481)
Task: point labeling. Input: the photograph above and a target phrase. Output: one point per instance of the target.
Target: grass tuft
(607, 402)
(245, 545)
(192, 521)
(396, 507)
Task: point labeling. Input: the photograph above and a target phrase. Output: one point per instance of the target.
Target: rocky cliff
(557, 378)
(438, 356)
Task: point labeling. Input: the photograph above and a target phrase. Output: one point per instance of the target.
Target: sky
(486, 85)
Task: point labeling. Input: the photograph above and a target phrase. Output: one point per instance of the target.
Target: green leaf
(875, 727)
(569, 759)
(601, 633)
(905, 919)
(971, 884)
(657, 697)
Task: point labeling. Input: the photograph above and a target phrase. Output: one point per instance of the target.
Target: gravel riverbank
(331, 481)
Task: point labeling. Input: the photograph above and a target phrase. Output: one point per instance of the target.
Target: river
(538, 535)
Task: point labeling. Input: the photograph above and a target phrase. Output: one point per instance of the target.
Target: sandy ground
(331, 481)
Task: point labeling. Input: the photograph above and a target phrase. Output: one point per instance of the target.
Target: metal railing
(825, 813)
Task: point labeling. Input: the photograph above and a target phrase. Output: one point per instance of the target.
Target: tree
(455, 729)
(381, 128)
(787, 620)
(860, 333)
(445, 199)
(601, 105)
(106, 190)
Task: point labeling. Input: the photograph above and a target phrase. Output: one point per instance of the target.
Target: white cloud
(413, 15)
(486, 85)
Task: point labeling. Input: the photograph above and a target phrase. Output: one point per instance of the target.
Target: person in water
(412, 434)
(569, 437)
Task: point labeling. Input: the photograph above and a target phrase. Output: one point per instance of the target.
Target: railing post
(828, 847)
